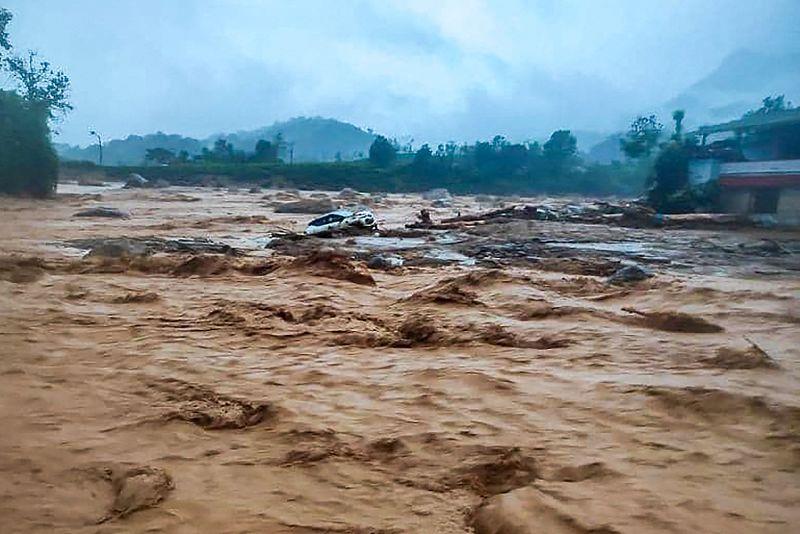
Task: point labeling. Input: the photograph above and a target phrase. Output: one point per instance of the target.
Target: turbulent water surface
(294, 390)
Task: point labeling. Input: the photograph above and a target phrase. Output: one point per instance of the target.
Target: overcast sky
(435, 70)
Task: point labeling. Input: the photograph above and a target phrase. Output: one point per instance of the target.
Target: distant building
(757, 163)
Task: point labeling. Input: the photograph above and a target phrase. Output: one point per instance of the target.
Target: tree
(382, 152)
(5, 18)
(770, 104)
(28, 163)
(265, 152)
(161, 156)
(39, 82)
(642, 137)
(222, 151)
(423, 157)
(560, 149)
(678, 116)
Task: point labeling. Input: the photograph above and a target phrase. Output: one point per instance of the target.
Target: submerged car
(341, 221)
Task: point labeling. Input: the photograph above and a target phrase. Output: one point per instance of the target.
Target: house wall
(740, 200)
(736, 200)
(702, 171)
(789, 206)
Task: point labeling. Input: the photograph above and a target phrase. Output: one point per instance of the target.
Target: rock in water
(102, 211)
(136, 180)
(386, 262)
(628, 274)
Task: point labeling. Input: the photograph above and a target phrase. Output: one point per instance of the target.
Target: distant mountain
(313, 139)
(737, 85)
(131, 150)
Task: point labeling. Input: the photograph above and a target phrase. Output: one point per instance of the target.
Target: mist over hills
(737, 85)
(312, 138)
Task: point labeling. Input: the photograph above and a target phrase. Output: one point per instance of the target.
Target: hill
(737, 85)
(131, 150)
(312, 138)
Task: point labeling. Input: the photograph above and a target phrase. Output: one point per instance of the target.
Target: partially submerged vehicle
(342, 220)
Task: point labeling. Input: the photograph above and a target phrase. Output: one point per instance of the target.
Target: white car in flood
(341, 220)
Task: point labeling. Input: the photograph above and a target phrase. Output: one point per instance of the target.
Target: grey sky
(435, 70)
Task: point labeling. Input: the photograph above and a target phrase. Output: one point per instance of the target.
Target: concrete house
(756, 160)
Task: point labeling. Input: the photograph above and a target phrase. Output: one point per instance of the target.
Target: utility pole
(99, 144)
(291, 153)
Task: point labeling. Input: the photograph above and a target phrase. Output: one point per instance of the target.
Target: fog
(460, 69)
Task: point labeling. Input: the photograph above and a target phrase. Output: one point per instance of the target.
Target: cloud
(452, 69)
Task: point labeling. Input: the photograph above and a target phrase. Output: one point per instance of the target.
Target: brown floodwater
(479, 388)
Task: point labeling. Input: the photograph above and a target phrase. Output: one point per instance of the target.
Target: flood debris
(103, 211)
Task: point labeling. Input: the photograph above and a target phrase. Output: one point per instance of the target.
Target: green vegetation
(312, 139)
(28, 163)
(382, 152)
(494, 167)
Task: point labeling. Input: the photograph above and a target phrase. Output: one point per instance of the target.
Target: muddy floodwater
(213, 373)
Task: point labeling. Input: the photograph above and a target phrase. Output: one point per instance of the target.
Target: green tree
(266, 152)
(560, 149)
(5, 18)
(670, 177)
(161, 156)
(382, 152)
(678, 116)
(222, 151)
(642, 137)
(423, 157)
(28, 163)
(39, 82)
(770, 104)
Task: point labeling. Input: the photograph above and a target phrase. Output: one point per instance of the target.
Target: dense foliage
(28, 163)
(382, 152)
(495, 167)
